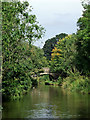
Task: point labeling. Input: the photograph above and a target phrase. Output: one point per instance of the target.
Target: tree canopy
(50, 44)
(19, 29)
(83, 40)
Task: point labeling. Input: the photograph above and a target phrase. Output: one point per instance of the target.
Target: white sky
(56, 16)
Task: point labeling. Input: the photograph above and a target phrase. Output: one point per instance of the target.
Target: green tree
(38, 58)
(50, 44)
(83, 40)
(18, 26)
(63, 55)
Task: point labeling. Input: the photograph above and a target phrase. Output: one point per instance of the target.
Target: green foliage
(68, 54)
(83, 41)
(38, 59)
(19, 29)
(60, 80)
(44, 78)
(34, 82)
(50, 44)
(76, 82)
(71, 56)
(63, 56)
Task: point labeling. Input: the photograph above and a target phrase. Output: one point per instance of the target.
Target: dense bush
(76, 82)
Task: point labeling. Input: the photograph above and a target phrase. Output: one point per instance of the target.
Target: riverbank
(74, 82)
(77, 83)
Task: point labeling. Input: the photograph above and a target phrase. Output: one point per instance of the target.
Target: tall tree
(18, 26)
(50, 44)
(63, 55)
(83, 40)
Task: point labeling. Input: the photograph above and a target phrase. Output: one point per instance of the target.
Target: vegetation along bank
(67, 55)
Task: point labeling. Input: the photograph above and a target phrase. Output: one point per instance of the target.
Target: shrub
(77, 83)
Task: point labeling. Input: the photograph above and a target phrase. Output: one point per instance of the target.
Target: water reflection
(48, 102)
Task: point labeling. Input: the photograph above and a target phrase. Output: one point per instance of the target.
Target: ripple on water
(44, 111)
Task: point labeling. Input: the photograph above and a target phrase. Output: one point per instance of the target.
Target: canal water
(48, 102)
